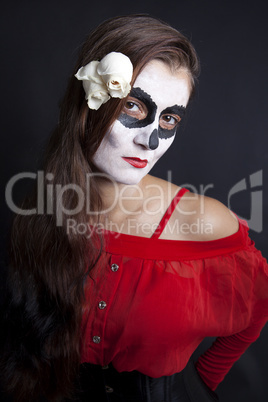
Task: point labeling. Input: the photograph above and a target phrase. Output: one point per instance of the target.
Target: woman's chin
(127, 178)
(131, 181)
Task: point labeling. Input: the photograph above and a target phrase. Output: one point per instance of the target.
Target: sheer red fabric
(150, 303)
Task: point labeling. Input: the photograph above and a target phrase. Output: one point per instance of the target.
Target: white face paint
(147, 126)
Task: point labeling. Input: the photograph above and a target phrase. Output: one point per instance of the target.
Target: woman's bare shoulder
(196, 217)
(208, 218)
(200, 218)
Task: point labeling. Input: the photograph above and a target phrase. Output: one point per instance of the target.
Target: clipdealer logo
(254, 186)
(51, 200)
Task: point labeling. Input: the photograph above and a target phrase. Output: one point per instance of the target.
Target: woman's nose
(147, 137)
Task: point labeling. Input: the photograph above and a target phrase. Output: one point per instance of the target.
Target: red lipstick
(136, 162)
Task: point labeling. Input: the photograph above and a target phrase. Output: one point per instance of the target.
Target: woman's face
(147, 125)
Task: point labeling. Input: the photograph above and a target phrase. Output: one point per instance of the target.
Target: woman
(113, 275)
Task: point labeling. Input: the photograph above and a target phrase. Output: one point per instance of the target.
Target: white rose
(95, 89)
(116, 71)
(110, 76)
(96, 94)
(89, 73)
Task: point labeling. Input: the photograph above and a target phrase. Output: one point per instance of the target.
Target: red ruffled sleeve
(215, 363)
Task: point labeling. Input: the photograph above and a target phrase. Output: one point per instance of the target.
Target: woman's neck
(121, 200)
(128, 208)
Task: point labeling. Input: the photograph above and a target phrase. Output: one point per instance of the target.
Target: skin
(146, 129)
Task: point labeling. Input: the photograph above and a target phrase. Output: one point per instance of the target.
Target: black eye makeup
(174, 110)
(140, 111)
(130, 121)
(167, 129)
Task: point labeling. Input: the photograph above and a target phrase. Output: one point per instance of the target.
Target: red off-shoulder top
(150, 302)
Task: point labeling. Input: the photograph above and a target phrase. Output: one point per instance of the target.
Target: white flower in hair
(109, 77)
(116, 71)
(94, 87)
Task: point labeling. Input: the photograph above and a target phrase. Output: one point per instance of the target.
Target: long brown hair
(48, 265)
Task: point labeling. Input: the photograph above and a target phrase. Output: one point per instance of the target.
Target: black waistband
(105, 384)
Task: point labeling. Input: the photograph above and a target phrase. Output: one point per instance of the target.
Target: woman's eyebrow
(175, 109)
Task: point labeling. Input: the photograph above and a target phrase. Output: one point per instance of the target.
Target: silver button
(96, 339)
(108, 389)
(114, 267)
(102, 305)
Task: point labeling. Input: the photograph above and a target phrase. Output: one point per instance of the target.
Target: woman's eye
(136, 109)
(170, 119)
(132, 106)
(169, 122)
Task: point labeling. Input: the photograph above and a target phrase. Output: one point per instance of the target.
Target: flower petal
(119, 92)
(95, 102)
(96, 94)
(89, 72)
(116, 63)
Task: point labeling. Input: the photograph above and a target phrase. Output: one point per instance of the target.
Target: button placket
(110, 281)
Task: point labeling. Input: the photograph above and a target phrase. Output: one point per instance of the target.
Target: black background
(223, 141)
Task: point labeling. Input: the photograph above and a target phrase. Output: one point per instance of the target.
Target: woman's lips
(136, 162)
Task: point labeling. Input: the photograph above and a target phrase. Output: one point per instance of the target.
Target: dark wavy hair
(48, 266)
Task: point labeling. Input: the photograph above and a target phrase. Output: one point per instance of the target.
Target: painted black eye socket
(140, 111)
